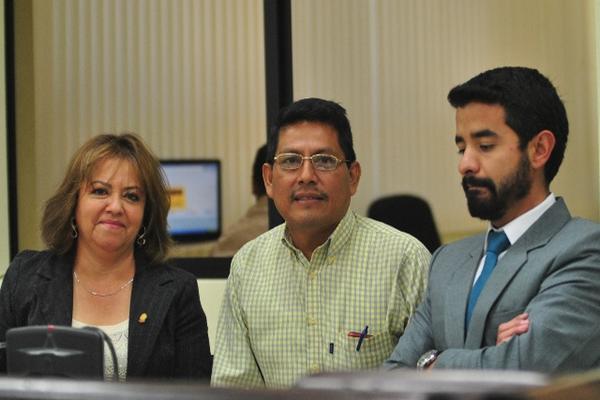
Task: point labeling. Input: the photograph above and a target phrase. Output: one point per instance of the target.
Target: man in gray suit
(525, 295)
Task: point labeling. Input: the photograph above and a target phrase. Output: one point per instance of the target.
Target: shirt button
(331, 260)
(312, 321)
(312, 275)
(314, 369)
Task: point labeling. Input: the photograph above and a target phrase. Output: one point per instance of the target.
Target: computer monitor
(195, 190)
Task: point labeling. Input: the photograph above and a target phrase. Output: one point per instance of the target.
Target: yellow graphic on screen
(178, 198)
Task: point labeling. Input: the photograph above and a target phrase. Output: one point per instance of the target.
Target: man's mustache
(472, 181)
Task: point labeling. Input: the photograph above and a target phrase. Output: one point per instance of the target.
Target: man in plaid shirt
(327, 290)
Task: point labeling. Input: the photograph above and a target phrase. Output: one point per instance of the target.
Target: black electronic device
(60, 351)
(195, 190)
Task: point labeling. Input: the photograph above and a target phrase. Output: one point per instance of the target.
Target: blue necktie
(497, 243)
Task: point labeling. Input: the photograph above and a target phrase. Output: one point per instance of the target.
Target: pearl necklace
(98, 294)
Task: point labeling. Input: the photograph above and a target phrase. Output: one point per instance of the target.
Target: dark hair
(314, 110)
(258, 185)
(60, 208)
(530, 102)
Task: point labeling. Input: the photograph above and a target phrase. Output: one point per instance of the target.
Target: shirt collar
(336, 240)
(518, 226)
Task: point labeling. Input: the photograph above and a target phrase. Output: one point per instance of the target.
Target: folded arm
(562, 330)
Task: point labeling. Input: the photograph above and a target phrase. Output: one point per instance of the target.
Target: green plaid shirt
(284, 317)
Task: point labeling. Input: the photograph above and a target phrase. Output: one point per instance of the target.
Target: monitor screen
(195, 190)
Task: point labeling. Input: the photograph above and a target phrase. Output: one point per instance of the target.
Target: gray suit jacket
(173, 341)
(552, 272)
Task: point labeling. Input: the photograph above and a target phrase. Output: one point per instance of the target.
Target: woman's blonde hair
(60, 208)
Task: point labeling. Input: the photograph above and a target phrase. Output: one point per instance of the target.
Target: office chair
(410, 214)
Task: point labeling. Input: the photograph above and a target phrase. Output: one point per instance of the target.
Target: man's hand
(516, 326)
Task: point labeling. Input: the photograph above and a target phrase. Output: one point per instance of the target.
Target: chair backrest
(410, 214)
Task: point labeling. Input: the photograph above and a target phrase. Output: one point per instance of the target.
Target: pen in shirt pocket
(361, 336)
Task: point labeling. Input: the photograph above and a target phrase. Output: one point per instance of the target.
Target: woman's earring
(141, 239)
(74, 232)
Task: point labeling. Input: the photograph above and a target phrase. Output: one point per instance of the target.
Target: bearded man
(526, 294)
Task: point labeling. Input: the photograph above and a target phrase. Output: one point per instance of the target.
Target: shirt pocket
(374, 350)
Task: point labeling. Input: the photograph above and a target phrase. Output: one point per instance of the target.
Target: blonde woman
(106, 230)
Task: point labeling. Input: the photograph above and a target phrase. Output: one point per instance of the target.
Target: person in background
(327, 290)
(526, 294)
(106, 230)
(256, 220)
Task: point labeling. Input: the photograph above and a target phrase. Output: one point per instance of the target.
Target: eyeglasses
(321, 162)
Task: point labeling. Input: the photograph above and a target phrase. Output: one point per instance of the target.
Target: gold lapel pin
(143, 317)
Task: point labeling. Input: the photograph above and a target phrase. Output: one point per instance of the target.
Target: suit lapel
(457, 294)
(56, 283)
(515, 258)
(152, 295)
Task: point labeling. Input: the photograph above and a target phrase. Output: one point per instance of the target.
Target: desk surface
(402, 385)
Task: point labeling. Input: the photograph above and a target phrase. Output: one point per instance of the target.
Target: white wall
(392, 62)
(187, 75)
(211, 296)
